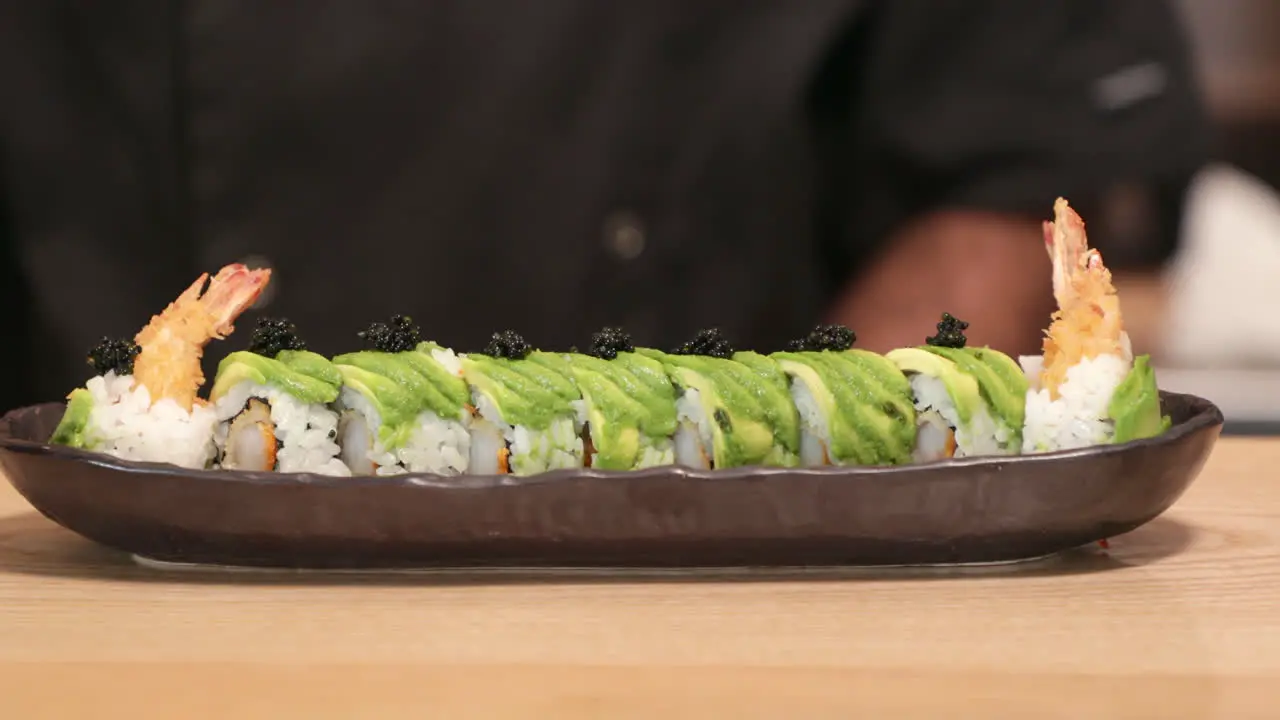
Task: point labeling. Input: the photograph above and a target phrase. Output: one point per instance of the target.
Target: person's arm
(971, 117)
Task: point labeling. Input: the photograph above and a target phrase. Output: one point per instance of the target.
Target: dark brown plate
(973, 510)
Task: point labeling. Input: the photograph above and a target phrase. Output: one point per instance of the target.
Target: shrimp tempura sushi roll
(733, 408)
(142, 403)
(525, 400)
(1087, 388)
(969, 401)
(272, 402)
(855, 406)
(403, 405)
(628, 406)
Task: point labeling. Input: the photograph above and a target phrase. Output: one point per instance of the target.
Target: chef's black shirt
(550, 166)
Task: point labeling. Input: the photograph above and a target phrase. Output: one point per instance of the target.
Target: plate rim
(1207, 416)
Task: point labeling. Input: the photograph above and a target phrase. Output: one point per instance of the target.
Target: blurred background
(1211, 319)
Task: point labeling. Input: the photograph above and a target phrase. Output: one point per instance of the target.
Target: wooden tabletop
(1180, 619)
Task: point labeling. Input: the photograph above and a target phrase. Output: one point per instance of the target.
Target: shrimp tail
(230, 293)
(172, 344)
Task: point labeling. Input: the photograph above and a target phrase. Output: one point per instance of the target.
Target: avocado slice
(1002, 384)
(1135, 405)
(622, 409)
(774, 394)
(396, 404)
(742, 434)
(963, 389)
(75, 420)
(306, 376)
(533, 392)
(865, 401)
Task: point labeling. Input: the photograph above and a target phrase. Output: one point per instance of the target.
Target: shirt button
(258, 262)
(624, 236)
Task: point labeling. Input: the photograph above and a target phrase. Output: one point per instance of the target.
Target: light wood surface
(1180, 619)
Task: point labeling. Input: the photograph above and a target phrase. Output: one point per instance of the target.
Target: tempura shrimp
(1088, 322)
(172, 344)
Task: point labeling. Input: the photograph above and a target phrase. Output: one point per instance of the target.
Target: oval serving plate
(972, 510)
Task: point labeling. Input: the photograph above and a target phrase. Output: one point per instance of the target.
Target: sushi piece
(969, 401)
(628, 405)
(403, 406)
(732, 409)
(1087, 388)
(142, 403)
(855, 406)
(272, 402)
(773, 391)
(526, 409)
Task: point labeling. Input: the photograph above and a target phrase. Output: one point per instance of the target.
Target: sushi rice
(430, 443)
(694, 442)
(124, 422)
(815, 433)
(306, 432)
(937, 415)
(527, 450)
(434, 444)
(1079, 416)
(528, 416)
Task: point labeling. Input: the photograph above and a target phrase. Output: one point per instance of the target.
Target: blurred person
(559, 165)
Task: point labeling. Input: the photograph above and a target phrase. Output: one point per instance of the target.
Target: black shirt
(548, 166)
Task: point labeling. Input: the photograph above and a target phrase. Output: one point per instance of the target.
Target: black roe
(508, 344)
(950, 333)
(400, 335)
(836, 338)
(610, 341)
(272, 335)
(117, 355)
(710, 342)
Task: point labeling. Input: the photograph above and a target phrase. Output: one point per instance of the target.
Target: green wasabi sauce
(865, 399)
(303, 375)
(631, 406)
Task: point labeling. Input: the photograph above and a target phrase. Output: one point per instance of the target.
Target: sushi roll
(969, 401)
(732, 409)
(1087, 388)
(142, 402)
(526, 408)
(628, 405)
(855, 406)
(273, 405)
(403, 406)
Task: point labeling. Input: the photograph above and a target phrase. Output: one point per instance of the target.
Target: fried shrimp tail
(1088, 322)
(172, 344)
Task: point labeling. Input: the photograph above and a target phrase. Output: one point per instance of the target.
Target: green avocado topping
(1135, 405)
(631, 407)
(533, 392)
(741, 401)
(864, 400)
(402, 385)
(71, 428)
(302, 374)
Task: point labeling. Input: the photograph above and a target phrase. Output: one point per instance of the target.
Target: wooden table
(1181, 619)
